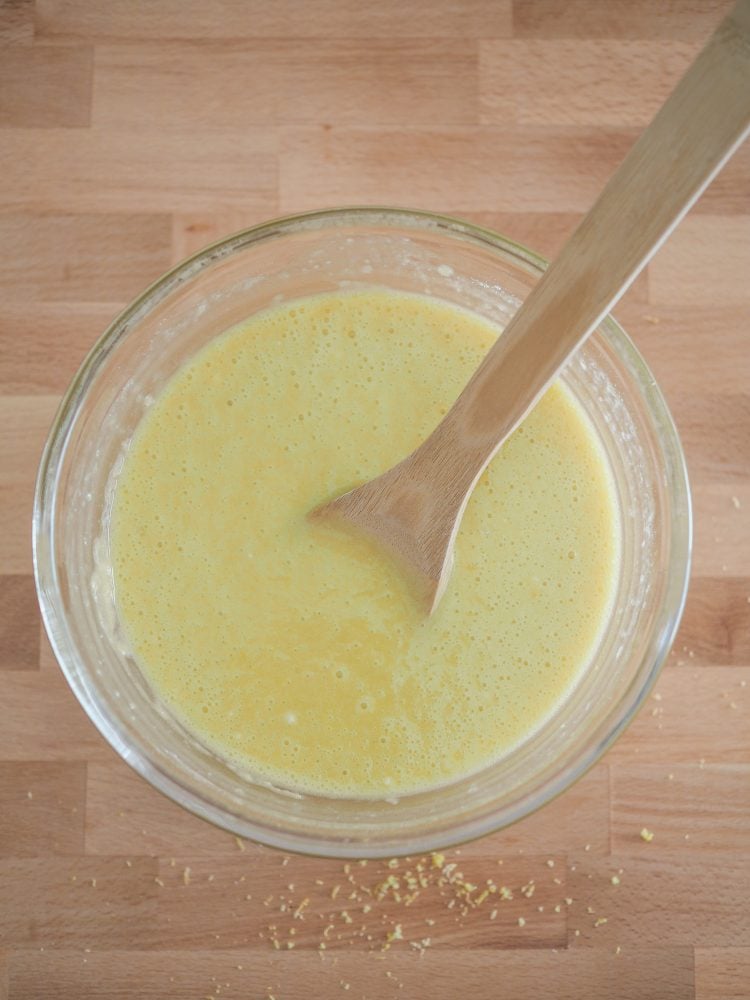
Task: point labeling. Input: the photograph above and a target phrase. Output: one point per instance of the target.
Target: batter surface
(298, 651)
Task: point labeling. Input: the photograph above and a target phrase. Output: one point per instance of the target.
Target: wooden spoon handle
(696, 131)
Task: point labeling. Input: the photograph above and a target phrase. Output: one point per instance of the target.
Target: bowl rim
(45, 509)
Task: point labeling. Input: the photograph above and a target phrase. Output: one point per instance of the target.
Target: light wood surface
(414, 509)
(131, 134)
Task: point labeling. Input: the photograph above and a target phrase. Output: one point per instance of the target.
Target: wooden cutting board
(133, 133)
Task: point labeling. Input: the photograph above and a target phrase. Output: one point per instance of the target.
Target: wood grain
(184, 86)
(17, 28)
(708, 254)
(89, 258)
(24, 422)
(694, 808)
(78, 902)
(43, 343)
(659, 974)
(672, 900)
(716, 438)
(43, 720)
(639, 19)
(462, 169)
(215, 903)
(65, 170)
(716, 624)
(45, 87)
(714, 332)
(125, 814)
(42, 808)
(722, 973)
(694, 722)
(192, 231)
(581, 816)
(130, 136)
(579, 81)
(241, 19)
(19, 623)
(15, 516)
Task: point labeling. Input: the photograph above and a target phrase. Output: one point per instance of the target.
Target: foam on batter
(298, 651)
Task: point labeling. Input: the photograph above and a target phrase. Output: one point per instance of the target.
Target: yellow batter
(298, 651)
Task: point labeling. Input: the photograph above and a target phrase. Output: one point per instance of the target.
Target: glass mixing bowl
(199, 299)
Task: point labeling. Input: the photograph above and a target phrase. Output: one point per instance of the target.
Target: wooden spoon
(415, 508)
